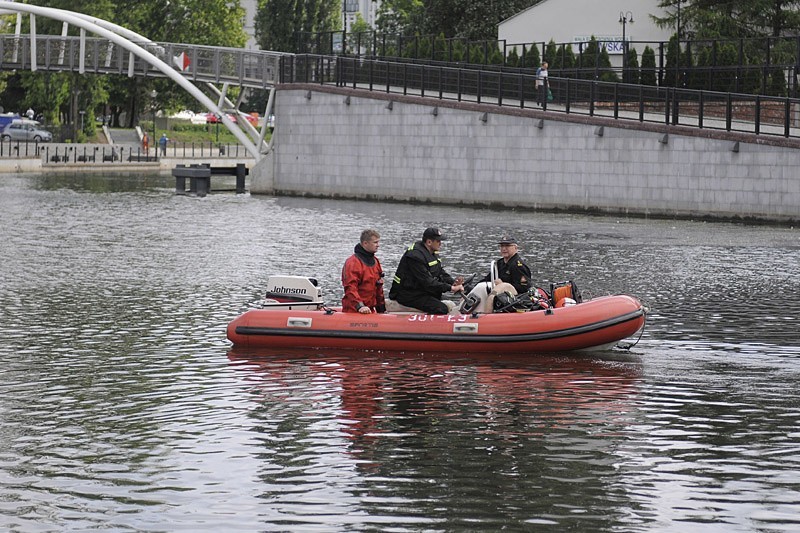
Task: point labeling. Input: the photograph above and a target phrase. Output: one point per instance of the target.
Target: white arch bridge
(112, 49)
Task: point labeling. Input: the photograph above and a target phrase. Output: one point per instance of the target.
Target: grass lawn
(195, 133)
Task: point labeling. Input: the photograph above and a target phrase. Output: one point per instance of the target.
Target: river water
(124, 408)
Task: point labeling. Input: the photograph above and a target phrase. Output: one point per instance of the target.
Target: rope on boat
(641, 332)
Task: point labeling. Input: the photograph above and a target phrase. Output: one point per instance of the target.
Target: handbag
(549, 95)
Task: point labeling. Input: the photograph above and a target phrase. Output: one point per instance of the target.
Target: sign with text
(612, 43)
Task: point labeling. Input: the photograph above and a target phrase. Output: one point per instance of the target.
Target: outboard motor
(292, 292)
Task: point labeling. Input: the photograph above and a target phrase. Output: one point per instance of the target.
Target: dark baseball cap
(434, 234)
(507, 239)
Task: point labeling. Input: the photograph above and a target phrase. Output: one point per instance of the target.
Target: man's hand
(457, 287)
(364, 310)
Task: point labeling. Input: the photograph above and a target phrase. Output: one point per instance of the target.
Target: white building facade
(575, 21)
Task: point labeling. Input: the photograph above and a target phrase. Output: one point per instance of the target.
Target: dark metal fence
(21, 149)
(752, 65)
(87, 153)
(747, 113)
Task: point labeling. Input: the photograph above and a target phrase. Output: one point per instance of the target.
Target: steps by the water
(125, 137)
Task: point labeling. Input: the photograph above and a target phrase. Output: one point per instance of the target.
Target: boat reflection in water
(385, 402)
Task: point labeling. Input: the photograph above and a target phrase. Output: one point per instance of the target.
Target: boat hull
(600, 322)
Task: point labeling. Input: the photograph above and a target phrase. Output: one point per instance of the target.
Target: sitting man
(420, 279)
(511, 268)
(362, 277)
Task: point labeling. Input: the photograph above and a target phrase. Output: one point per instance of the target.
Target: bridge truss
(113, 49)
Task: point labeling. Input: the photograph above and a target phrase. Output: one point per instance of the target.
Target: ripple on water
(123, 407)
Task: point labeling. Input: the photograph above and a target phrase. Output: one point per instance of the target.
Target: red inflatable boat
(295, 319)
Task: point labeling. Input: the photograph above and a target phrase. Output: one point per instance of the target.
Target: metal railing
(747, 113)
(752, 63)
(21, 149)
(87, 153)
(249, 68)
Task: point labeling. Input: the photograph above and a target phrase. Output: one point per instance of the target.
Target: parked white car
(26, 130)
(194, 118)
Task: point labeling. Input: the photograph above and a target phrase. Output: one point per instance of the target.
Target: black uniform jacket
(515, 272)
(420, 272)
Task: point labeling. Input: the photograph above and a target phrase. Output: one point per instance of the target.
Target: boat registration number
(437, 318)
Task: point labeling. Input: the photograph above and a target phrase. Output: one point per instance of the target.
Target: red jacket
(363, 282)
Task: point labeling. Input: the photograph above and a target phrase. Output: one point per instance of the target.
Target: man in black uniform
(511, 268)
(420, 279)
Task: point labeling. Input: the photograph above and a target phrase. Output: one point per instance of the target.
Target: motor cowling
(292, 289)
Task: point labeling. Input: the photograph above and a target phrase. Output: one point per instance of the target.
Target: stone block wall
(447, 152)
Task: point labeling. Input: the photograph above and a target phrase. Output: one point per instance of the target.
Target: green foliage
(595, 62)
(278, 20)
(359, 25)
(725, 79)
(564, 60)
(477, 53)
(458, 51)
(687, 69)
(496, 57)
(551, 52)
(776, 85)
(399, 16)
(530, 57)
(750, 79)
(701, 78)
(731, 19)
(631, 74)
(469, 19)
(424, 47)
(513, 58)
(648, 72)
(440, 48)
(673, 62)
(606, 72)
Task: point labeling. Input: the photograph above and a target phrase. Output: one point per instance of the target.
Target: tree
(648, 76)
(278, 21)
(631, 67)
(400, 17)
(731, 19)
(777, 83)
(440, 50)
(673, 60)
(724, 80)
(564, 61)
(594, 62)
(455, 18)
(551, 52)
(530, 57)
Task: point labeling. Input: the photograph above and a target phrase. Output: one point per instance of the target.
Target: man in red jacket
(362, 277)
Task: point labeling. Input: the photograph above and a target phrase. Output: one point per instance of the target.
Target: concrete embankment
(96, 162)
(389, 147)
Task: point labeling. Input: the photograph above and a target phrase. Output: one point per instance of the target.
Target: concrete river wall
(337, 142)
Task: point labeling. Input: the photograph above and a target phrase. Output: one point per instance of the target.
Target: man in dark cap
(420, 279)
(511, 268)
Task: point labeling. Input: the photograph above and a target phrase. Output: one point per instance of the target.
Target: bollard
(241, 172)
(180, 185)
(200, 185)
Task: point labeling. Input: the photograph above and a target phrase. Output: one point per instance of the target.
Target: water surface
(124, 408)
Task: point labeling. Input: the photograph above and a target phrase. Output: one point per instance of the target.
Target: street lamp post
(153, 95)
(625, 17)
